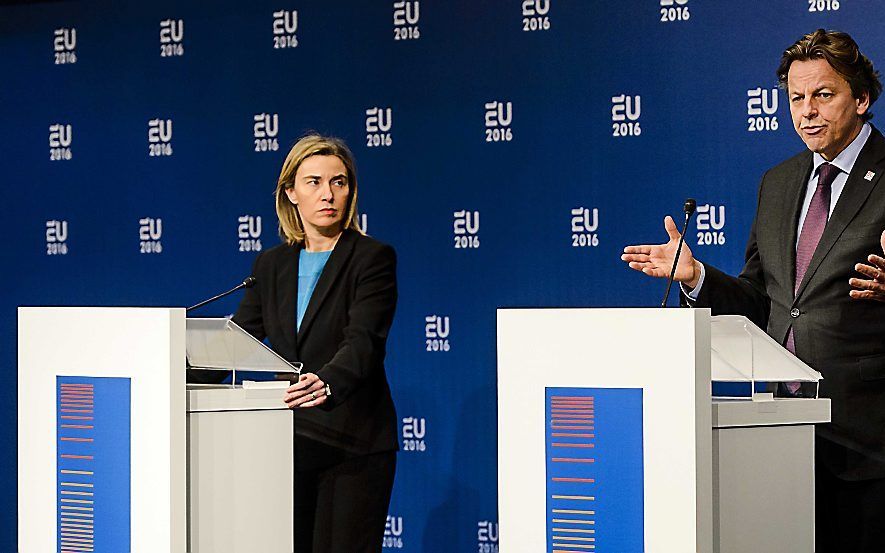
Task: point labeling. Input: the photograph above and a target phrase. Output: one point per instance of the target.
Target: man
(810, 278)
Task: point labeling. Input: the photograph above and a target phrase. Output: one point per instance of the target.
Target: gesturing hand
(872, 288)
(657, 260)
(309, 391)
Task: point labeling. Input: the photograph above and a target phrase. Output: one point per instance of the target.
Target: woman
(326, 298)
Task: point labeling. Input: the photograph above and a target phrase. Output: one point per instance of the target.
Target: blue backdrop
(508, 150)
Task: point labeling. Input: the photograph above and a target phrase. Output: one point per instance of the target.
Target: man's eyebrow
(818, 89)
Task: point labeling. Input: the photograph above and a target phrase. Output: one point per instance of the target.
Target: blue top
(310, 267)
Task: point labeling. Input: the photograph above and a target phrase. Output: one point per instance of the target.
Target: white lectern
(608, 439)
(115, 454)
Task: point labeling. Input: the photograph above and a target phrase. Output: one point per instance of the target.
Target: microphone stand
(248, 283)
(688, 209)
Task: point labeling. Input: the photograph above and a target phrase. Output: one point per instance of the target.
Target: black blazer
(842, 338)
(342, 339)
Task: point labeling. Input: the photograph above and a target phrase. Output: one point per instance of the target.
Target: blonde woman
(326, 297)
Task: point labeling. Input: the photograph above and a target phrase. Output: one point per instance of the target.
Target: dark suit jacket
(842, 338)
(342, 339)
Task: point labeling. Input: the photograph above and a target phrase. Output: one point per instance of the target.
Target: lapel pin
(869, 176)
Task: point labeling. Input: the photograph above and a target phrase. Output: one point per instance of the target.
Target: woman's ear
(290, 192)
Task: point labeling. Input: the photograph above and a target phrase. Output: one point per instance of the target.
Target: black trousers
(343, 508)
(849, 515)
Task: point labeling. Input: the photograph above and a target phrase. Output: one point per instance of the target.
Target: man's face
(825, 114)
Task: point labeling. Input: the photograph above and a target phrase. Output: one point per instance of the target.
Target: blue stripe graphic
(594, 470)
(93, 480)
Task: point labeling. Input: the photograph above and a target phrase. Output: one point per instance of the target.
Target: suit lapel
(857, 190)
(795, 195)
(287, 291)
(331, 271)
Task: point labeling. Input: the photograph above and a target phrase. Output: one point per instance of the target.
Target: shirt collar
(846, 158)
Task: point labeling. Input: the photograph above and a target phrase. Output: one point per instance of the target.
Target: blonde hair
(291, 228)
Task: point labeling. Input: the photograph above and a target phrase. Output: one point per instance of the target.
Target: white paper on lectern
(742, 352)
(265, 385)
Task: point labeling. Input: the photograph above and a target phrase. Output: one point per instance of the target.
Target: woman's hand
(309, 391)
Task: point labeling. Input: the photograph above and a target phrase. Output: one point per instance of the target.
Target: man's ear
(863, 103)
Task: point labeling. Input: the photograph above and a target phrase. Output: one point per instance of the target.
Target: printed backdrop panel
(507, 150)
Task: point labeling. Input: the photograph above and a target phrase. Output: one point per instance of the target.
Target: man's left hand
(872, 288)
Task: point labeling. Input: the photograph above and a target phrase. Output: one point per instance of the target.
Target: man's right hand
(657, 260)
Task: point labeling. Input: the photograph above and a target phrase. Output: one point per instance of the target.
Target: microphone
(688, 208)
(249, 282)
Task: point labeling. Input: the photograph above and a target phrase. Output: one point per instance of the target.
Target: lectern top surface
(743, 352)
(219, 343)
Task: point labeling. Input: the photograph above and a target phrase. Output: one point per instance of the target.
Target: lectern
(116, 454)
(609, 439)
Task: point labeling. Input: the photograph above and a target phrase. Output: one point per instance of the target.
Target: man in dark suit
(811, 278)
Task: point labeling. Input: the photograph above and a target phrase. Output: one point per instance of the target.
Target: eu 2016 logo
(710, 223)
(625, 115)
(265, 128)
(466, 229)
(487, 536)
(56, 237)
(393, 533)
(674, 10)
(150, 231)
(414, 431)
(761, 109)
(171, 38)
(60, 138)
(535, 15)
(823, 5)
(285, 24)
(378, 124)
(64, 46)
(498, 118)
(249, 233)
(584, 224)
(160, 137)
(405, 20)
(436, 333)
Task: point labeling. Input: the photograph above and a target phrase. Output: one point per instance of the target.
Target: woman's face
(320, 194)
